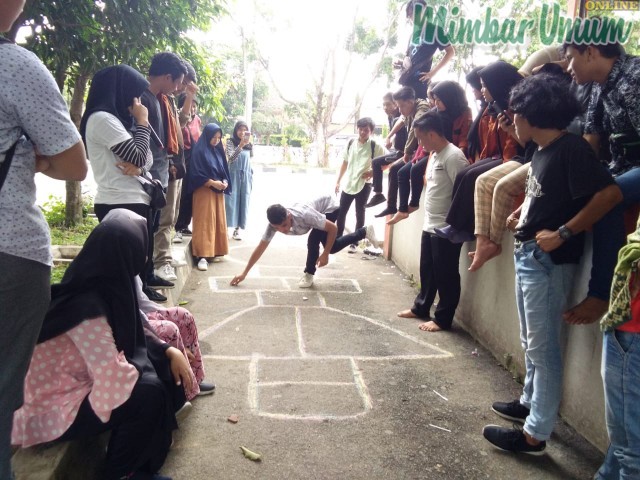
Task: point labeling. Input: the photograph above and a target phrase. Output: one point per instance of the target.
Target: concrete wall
(488, 312)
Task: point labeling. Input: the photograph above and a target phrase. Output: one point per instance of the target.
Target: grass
(73, 235)
(57, 272)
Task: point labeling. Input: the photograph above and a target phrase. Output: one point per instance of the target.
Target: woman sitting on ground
(97, 366)
(177, 327)
(208, 179)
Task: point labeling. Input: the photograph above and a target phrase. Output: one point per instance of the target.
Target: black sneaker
(154, 281)
(206, 388)
(514, 411)
(511, 440)
(387, 211)
(186, 231)
(377, 199)
(154, 295)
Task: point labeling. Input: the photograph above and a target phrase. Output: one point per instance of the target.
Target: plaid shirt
(614, 108)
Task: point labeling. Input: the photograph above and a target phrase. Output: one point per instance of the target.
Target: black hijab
(113, 90)
(473, 140)
(453, 97)
(101, 282)
(499, 78)
(236, 139)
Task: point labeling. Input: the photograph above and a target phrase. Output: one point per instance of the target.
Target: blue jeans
(542, 288)
(621, 376)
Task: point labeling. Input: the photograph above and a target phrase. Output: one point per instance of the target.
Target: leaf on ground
(256, 457)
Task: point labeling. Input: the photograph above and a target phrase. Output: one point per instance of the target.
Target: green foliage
(277, 139)
(264, 125)
(75, 235)
(57, 272)
(363, 39)
(54, 210)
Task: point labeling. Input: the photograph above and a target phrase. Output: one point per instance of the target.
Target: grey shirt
(29, 100)
(441, 173)
(306, 216)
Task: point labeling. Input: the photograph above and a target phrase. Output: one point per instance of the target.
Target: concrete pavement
(329, 384)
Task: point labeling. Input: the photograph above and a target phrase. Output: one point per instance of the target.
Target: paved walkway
(329, 384)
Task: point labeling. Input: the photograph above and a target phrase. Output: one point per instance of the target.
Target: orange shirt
(461, 127)
(494, 141)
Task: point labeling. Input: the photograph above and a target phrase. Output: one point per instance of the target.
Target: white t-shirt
(306, 216)
(29, 99)
(441, 173)
(105, 131)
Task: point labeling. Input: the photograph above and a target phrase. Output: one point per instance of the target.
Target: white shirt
(29, 99)
(441, 173)
(105, 131)
(305, 216)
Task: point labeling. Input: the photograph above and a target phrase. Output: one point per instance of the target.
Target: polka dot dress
(63, 371)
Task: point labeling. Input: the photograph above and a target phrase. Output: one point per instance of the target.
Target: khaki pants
(162, 238)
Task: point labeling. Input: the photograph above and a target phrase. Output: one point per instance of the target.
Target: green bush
(296, 142)
(54, 211)
(277, 139)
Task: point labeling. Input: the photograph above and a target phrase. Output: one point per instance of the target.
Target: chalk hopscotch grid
(254, 386)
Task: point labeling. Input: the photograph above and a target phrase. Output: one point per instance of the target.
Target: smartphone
(247, 135)
(499, 110)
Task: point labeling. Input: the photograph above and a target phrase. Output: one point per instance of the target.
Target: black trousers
(461, 215)
(101, 210)
(377, 164)
(410, 183)
(392, 189)
(317, 237)
(140, 437)
(186, 199)
(346, 199)
(439, 262)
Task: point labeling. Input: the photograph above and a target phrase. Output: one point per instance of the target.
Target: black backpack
(373, 147)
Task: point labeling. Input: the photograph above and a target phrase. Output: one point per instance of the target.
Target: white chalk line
(301, 346)
(308, 356)
(212, 329)
(281, 383)
(217, 285)
(361, 386)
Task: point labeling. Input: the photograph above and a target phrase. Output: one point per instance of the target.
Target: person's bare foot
(590, 310)
(429, 326)
(485, 251)
(407, 314)
(397, 217)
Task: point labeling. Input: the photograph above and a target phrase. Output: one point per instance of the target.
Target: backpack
(373, 147)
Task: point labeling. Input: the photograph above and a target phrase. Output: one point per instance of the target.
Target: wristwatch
(564, 232)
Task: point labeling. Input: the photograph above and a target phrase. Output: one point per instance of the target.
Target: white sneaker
(306, 281)
(236, 234)
(371, 236)
(166, 272)
(203, 265)
(353, 248)
(177, 238)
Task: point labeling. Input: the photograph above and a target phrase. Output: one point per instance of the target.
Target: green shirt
(358, 158)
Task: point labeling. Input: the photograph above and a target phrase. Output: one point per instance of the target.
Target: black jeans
(317, 237)
(461, 214)
(439, 262)
(411, 182)
(101, 210)
(377, 164)
(346, 199)
(140, 438)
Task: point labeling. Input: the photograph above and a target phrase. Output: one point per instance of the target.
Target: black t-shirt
(563, 177)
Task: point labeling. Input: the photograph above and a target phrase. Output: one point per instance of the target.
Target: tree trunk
(73, 210)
